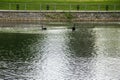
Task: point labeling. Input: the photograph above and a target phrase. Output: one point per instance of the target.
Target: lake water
(61, 54)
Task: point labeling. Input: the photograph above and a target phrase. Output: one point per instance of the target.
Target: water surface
(61, 54)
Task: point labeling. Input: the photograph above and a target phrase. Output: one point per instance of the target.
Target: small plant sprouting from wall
(68, 16)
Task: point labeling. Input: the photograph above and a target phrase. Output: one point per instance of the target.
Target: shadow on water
(17, 52)
(81, 42)
(18, 47)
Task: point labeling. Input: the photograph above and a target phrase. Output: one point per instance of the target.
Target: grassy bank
(41, 1)
(59, 4)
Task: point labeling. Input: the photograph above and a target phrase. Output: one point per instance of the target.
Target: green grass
(41, 1)
(61, 4)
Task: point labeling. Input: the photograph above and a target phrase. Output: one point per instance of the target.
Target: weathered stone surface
(59, 16)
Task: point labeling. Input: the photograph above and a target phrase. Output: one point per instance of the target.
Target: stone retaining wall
(59, 16)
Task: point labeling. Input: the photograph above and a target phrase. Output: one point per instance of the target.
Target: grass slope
(61, 4)
(59, 1)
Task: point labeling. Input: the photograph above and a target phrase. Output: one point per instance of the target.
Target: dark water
(60, 54)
